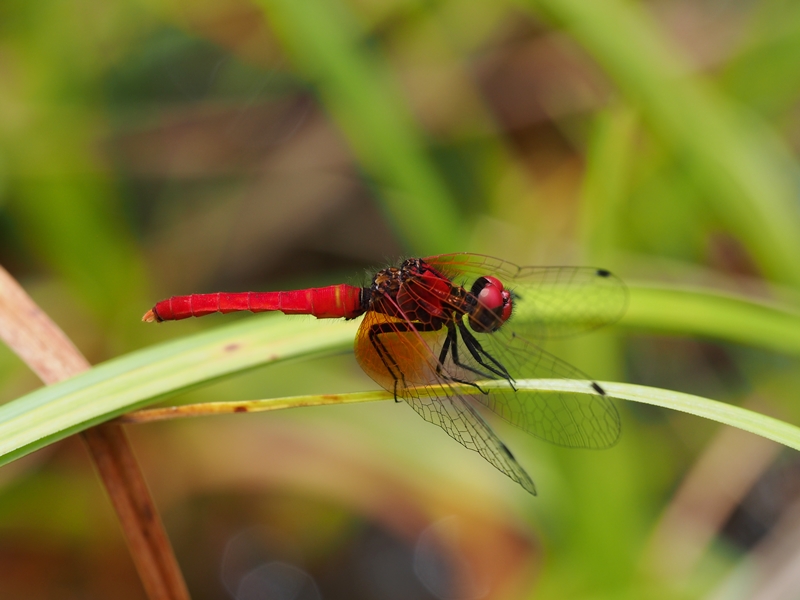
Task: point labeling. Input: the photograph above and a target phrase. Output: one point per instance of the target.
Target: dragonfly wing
(472, 266)
(395, 354)
(557, 302)
(426, 390)
(549, 302)
(465, 425)
(577, 420)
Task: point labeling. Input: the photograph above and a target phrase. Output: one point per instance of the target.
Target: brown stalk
(38, 341)
(204, 409)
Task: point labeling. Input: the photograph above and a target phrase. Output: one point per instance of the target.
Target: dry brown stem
(38, 341)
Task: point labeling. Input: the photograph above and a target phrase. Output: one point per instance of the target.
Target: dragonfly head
(494, 305)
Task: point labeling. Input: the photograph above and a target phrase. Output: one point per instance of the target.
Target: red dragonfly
(460, 319)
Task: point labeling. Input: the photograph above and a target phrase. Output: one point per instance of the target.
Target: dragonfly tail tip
(150, 317)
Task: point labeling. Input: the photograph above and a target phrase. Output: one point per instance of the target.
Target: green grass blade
(206, 409)
(764, 74)
(608, 165)
(714, 314)
(727, 414)
(117, 386)
(747, 176)
(131, 381)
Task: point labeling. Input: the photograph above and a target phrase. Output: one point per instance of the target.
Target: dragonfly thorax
(420, 293)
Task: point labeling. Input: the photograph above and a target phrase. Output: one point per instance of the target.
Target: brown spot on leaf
(232, 347)
(240, 409)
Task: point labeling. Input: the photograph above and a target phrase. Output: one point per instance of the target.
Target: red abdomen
(332, 302)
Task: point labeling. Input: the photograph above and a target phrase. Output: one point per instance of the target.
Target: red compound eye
(491, 296)
(495, 302)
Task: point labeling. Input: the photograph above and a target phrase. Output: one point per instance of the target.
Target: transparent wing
(404, 360)
(566, 419)
(465, 425)
(549, 302)
(421, 360)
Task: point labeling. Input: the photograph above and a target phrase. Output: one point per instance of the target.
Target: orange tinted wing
(398, 355)
(414, 353)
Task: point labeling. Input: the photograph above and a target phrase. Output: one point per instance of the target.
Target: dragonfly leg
(451, 345)
(386, 357)
(477, 352)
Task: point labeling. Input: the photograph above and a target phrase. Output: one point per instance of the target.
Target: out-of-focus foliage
(158, 148)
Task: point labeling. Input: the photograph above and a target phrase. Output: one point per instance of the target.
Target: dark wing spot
(603, 273)
(507, 451)
(598, 389)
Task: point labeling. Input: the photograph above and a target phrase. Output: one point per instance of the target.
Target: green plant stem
(727, 414)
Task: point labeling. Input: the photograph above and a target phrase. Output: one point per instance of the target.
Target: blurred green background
(156, 148)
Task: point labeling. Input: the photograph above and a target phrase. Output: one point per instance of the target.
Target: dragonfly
(436, 329)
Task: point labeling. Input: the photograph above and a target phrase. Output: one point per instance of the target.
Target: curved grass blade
(206, 409)
(134, 380)
(714, 314)
(727, 414)
(123, 384)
